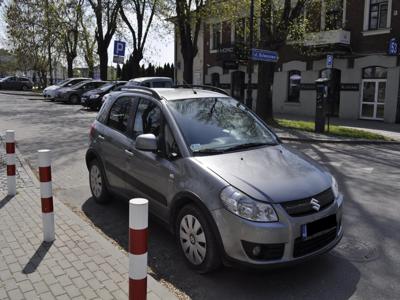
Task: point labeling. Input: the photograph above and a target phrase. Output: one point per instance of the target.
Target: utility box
(322, 85)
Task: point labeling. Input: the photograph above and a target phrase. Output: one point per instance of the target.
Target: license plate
(313, 228)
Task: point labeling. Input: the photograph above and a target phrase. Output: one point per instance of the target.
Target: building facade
(363, 38)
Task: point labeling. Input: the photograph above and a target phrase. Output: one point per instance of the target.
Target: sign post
(264, 55)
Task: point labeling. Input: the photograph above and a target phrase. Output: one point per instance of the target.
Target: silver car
(221, 180)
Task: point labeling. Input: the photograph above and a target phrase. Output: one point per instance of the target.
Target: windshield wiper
(248, 145)
(209, 151)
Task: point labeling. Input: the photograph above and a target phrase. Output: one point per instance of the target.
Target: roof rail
(204, 87)
(142, 89)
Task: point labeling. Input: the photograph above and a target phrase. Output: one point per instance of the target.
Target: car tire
(24, 88)
(199, 248)
(74, 99)
(97, 183)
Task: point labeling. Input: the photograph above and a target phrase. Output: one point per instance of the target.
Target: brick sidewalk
(79, 264)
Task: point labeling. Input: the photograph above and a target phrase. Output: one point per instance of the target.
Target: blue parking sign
(119, 48)
(329, 61)
(393, 47)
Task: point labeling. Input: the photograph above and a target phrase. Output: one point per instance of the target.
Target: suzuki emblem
(315, 204)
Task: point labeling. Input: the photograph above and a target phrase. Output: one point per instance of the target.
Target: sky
(159, 49)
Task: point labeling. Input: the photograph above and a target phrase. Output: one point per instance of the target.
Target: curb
(17, 93)
(118, 253)
(354, 142)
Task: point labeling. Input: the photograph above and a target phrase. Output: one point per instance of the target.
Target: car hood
(274, 173)
(52, 87)
(93, 92)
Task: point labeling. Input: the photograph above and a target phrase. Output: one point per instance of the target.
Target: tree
(143, 11)
(188, 20)
(87, 43)
(70, 16)
(106, 13)
(278, 22)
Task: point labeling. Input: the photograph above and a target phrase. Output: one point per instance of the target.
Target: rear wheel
(97, 182)
(196, 240)
(74, 99)
(24, 88)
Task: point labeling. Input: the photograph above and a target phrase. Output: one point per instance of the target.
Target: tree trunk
(70, 62)
(91, 70)
(136, 58)
(103, 57)
(264, 96)
(50, 62)
(188, 59)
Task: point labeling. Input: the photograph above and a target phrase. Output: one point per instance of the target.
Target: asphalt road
(365, 265)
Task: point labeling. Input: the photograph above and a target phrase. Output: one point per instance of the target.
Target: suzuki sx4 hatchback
(229, 190)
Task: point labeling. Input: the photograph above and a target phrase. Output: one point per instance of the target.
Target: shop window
(374, 73)
(215, 81)
(294, 86)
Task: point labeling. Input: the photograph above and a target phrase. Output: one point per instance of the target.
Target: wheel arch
(185, 198)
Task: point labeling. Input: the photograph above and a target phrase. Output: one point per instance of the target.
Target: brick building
(365, 77)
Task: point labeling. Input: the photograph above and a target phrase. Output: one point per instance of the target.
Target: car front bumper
(282, 241)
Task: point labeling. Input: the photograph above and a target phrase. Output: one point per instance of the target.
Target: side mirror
(146, 142)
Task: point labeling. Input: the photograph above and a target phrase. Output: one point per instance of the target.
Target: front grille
(267, 251)
(304, 247)
(304, 207)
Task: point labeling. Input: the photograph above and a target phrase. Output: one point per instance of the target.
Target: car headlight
(244, 206)
(95, 96)
(335, 187)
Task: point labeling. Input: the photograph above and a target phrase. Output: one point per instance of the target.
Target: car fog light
(256, 251)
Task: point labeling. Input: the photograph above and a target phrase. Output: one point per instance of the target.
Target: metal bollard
(10, 150)
(46, 195)
(138, 223)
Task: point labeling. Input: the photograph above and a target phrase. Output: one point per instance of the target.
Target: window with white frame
(377, 15)
(216, 36)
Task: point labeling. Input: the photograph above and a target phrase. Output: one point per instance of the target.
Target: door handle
(101, 137)
(129, 153)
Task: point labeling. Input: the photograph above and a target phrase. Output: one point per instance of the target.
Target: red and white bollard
(46, 195)
(10, 150)
(138, 223)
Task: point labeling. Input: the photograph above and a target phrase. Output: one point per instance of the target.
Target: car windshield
(106, 87)
(219, 125)
(78, 85)
(5, 78)
(63, 82)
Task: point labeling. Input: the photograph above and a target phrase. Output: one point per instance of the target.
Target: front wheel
(97, 183)
(196, 240)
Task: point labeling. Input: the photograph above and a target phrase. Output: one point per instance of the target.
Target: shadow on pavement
(5, 200)
(324, 277)
(37, 258)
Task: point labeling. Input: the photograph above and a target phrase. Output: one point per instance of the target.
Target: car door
(115, 139)
(11, 83)
(151, 173)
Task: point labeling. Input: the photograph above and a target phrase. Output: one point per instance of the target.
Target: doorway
(373, 99)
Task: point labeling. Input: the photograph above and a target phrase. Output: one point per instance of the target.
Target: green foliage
(151, 70)
(334, 130)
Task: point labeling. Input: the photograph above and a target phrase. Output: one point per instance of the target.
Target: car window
(119, 114)
(147, 118)
(146, 84)
(97, 84)
(171, 147)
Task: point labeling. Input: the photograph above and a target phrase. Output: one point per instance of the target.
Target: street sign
(393, 47)
(119, 52)
(329, 61)
(264, 55)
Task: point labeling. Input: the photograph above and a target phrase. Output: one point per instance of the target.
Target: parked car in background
(50, 91)
(151, 82)
(16, 83)
(211, 169)
(73, 94)
(93, 98)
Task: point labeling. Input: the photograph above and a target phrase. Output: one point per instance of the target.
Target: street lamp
(249, 100)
